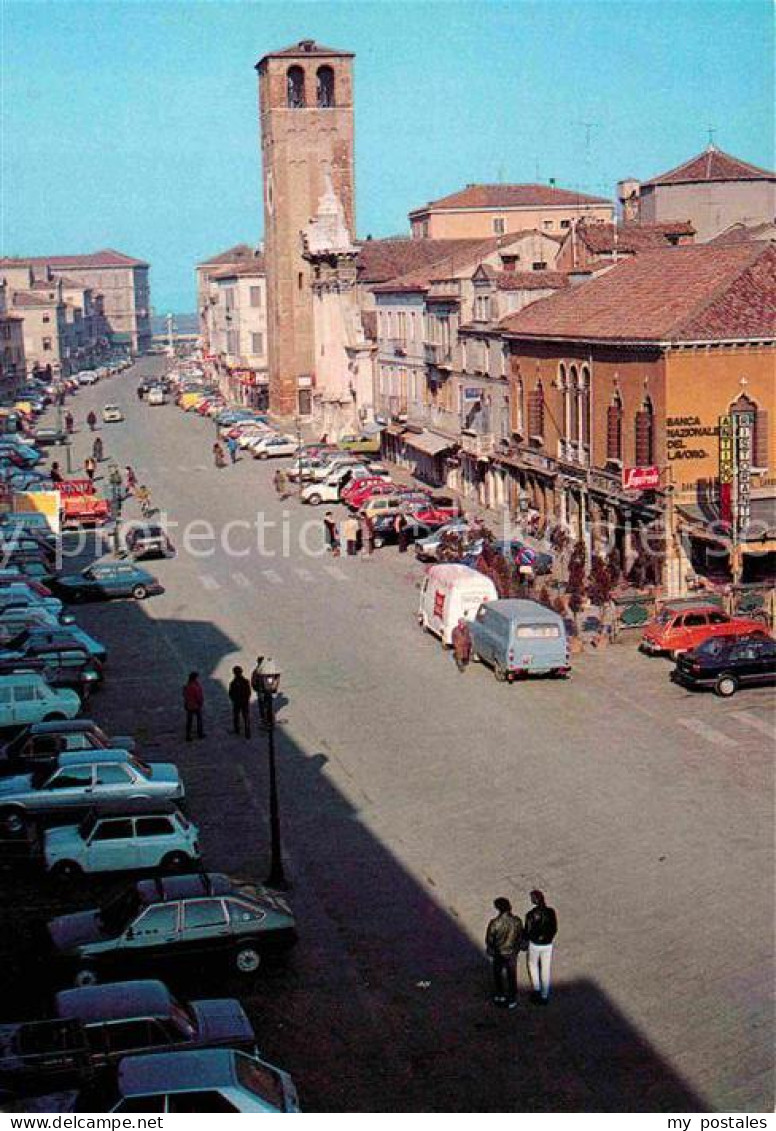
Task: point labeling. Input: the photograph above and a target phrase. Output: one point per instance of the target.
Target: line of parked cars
(79, 807)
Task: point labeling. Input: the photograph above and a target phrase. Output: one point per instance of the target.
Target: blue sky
(132, 123)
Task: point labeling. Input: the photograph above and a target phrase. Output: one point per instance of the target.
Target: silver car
(88, 780)
(427, 549)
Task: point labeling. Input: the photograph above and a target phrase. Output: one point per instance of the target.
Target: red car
(440, 509)
(680, 628)
(365, 490)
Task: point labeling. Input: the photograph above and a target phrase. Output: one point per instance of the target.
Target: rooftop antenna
(588, 160)
(712, 131)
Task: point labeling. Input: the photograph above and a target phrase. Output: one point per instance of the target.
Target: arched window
(324, 87)
(614, 429)
(536, 413)
(584, 407)
(645, 434)
(759, 429)
(572, 397)
(295, 88)
(518, 417)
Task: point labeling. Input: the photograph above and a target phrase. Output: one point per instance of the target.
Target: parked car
(678, 628)
(520, 638)
(211, 1081)
(385, 532)
(112, 414)
(26, 697)
(60, 667)
(49, 435)
(539, 562)
(329, 490)
(44, 742)
(148, 540)
(365, 442)
(157, 836)
(273, 445)
(427, 549)
(100, 582)
(357, 493)
(449, 592)
(173, 921)
(727, 663)
(94, 1027)
(86, 780)
(88, 377)
(40, 637)
(392, 503)
(156, 396)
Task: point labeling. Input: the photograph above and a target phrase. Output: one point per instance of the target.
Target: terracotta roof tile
(697, 292)
(599, 238)
(30, 298)
(106, 258)
(380, 260)
(306, 47)
(234, 254)
(531, 280)
(509, 196)
(742, 233)
(712, 165)
(253, 266)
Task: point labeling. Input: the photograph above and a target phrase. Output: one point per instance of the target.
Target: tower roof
(711, 165)
(305, 49)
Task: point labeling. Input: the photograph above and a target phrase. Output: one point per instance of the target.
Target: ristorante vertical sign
(743, 429)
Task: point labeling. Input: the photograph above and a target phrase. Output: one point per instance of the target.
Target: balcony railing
(437, 354)
(479, 444)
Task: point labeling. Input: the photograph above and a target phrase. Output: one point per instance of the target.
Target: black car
(64, 665)
(173, 922)
(385, 533)
(42, 638)
(42, 743)
(726, 663)
(47, 436)
(148, 540)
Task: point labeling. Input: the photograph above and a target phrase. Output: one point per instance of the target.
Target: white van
(449, 592)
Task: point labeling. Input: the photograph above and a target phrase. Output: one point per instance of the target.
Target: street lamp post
(298, 424)
(270, 681)
(116, 501)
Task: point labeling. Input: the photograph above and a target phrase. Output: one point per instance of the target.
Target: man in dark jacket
(502, 942)
(541, 927)
(193, 702)
(240, 695)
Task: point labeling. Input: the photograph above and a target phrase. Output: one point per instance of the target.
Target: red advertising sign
(640, 478)
(75, 487)
(439, 604)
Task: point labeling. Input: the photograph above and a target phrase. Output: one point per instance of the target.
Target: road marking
(304, 575)
(756, 723)
(241, 580)
(711, 734)
(209, 582)
(335, 571)
(273, 576)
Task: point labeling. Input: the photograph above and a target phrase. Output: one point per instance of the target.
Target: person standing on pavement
(131, 480)
(91, 420)
(56, 474)
(541, 927)
(502, 943)
(231, 445)
(402, 529)
(97, 449)
(461, 640)
(281, 483)
(69, 423)
(90, 467)
(193, 704)
(367, 529)
(257, 683)
(330, 533)
(240, 695)
(350, 534)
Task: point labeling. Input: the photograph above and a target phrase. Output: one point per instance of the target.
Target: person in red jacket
(193, 702)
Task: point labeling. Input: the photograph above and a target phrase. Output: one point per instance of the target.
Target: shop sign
(726, 468)
(640, 478)
(681, 431)
(743, 430)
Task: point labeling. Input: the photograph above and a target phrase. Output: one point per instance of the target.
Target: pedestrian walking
(401, 526)
(367, 530)
(143, 496)
(131, 480)
(90, 468)
(502, 943)
(218, 455)
(257, 683)
(232, 448)
(240, 695)
(91, 420)
(114, 479)
(193, 704)
(281, 483)
(541, 927)
(330, 533)
(56, 474)
(97, 449)
(69, 423)
(462, 644)
(350, 535)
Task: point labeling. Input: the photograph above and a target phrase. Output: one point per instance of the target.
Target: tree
(575, 586)
(599, 583)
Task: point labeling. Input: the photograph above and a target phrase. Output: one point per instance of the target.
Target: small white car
(160, 837)
(328, 491)
(88, 377)
(274, 446)
(156, 396)
(326, 470)
(25, 697)
(112, 414)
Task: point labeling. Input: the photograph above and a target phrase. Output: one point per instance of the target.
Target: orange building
(636, 369)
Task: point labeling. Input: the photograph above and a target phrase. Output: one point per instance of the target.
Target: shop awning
(428, 443)
(395, 430)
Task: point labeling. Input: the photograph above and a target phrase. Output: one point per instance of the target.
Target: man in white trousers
(541, 927)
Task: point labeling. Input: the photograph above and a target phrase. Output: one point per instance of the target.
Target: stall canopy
(428, 443)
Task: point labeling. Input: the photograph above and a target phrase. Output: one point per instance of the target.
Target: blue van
(519, 638)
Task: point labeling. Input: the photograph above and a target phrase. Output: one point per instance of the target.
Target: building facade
(306, 117)
(713, 191)
(480, 211)
(232, 298)
(12, 358)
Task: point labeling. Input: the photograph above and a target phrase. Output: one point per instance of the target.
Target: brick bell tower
(306, 116)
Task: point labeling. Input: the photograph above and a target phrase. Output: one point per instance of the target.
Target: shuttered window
(536, 413)
(761, 439)
(614, 432)
(644, 437)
